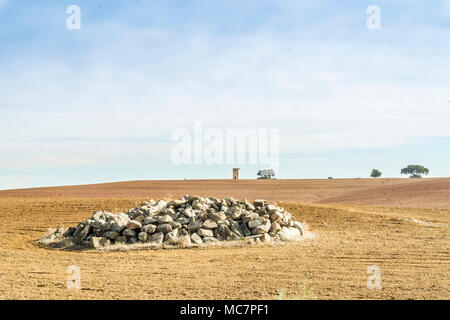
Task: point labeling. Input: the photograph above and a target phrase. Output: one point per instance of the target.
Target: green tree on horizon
(415, 171)
(375, 173)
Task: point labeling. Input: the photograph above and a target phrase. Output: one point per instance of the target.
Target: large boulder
(259, 203)
(149, 228)
(275, 228)
(165, 228)
(189, 213)
(210, 239)
(133, 224)
(117, 227)
(194, 225)
(254, 223)
(236, 228)
(129, 233)
(142, 236)
(270, 208)
(164, 219)
(182, 220)
(120, 240)
(82, 234)
(69, 232)
(111, 234)
(171, 236)
(217, 216)
(222, 233)
(266, 238)
(97, 242)
(196, 238)
(276, 216)
(262, 228)
(245, 230)
(157, 237)
(149, 220)
(175, 225)
(209, 224)
(205, 232)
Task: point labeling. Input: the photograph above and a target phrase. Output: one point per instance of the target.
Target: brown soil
(431, 193)
(410, 245)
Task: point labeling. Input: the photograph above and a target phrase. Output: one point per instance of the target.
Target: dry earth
(431, 193)
(409, 241)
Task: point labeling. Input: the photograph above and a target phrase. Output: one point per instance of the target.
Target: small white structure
(266, 174)
(236, 172)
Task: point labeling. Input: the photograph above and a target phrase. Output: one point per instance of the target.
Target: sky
(101, 103)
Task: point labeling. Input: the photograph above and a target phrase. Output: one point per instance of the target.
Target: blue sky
(100, 103)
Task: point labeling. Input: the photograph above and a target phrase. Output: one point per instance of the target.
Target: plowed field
(398, 225)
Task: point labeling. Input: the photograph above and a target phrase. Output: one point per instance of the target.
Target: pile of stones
(191, 220)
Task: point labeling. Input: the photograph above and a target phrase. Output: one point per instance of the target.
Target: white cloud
(121, 100)
(62, 154)
(318, 101)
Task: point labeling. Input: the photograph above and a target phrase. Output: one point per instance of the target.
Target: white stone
(196, 238)
(133, 224)
(254, 223)
(209, 224)
(289, 234)
(142, 236)
(299, 226)
(205, 232)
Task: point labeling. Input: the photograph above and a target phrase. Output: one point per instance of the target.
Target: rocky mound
(188, 221)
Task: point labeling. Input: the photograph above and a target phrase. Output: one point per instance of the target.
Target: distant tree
(375, 173)
(415, 171)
